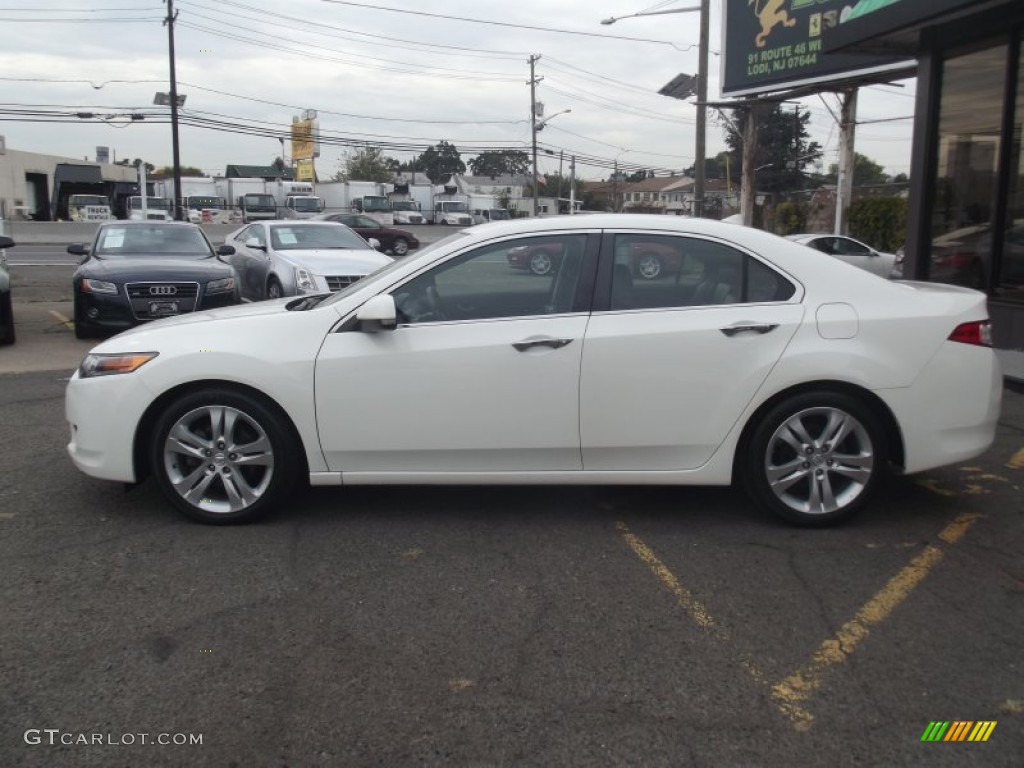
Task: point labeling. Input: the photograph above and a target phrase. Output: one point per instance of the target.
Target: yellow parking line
(800, 718)
(65, 321)
(799, 686)
(1017, 460)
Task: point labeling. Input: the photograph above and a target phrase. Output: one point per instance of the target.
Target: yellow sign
(303, 146)
(304, 170)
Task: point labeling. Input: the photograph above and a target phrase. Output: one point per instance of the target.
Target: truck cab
(257, 207)
(302, 206)
(407, 212)
(452, 212)
(157, 208)
(377, 207)
(483, 215)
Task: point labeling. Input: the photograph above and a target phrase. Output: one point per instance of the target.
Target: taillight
(977, 332)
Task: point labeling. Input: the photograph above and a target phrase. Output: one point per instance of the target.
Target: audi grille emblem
(162, 290)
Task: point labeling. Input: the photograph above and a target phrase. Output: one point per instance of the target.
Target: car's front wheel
(815, 458)
(222, 456)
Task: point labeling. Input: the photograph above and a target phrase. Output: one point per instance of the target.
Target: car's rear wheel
(540, 263)
(400, 247)
(815, 458)
(6, 319)
(222, 456)
(274, 289)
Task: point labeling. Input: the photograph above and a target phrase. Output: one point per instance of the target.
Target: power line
(501, 23)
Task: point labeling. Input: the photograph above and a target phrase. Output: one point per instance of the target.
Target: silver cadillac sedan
(290, 258)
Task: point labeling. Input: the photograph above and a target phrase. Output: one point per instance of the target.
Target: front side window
(666, 271)
(847, 247)
(524, 277)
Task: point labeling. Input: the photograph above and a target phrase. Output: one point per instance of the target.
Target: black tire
(274, 289)
(820, 482)
(400, 247)
(82, 331)
(254, 424)
(7, 320)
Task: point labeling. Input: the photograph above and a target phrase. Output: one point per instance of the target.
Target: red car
(648, 260)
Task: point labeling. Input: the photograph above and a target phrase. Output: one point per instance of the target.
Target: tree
(638, 175)
(367, 164)
(440, 162)
(279, 163)
(866, 172)
(136, 163)
(168, 171)
(783, 148)
(500, 163)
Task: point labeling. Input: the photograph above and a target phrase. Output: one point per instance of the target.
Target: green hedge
(790, 218)
(881, 222)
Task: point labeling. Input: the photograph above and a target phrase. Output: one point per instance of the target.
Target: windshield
(160, 203)
(251, 200)
(196, 201)
(387, 268)
(88, 200)
(306, 204)
(405, 205)
(375, 203)
(152, 240)
(453, 206)
(315, 236)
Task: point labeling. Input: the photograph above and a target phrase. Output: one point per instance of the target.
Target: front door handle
(522, 346)
(762, 328)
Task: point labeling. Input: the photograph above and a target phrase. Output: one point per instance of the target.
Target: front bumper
(103, 312)
(102, 415)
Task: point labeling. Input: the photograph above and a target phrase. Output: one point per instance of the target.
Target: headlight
(98, 286)
(304, 280)
(221, 286)
(109, 364)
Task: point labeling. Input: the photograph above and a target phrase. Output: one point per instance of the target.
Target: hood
(337, 261)
(234, 312)
(152, 268)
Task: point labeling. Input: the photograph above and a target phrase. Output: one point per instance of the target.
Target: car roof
(150, 223)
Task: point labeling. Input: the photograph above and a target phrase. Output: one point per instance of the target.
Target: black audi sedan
(136, 271)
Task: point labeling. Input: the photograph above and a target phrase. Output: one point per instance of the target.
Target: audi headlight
(304, 279)
(221, 286)
(109, 364)
(98, 286)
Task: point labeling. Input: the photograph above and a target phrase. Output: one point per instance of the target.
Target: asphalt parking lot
(493, 626)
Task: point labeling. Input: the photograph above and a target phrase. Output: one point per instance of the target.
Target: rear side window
(668, 271)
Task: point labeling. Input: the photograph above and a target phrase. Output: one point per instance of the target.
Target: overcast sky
(381, 75)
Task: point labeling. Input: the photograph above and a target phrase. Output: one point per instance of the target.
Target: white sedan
(748, 358)
(852, 252)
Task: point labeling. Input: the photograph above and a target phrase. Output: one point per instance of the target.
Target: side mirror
(252, 242)
(77, 249)
(374, 243)
(6, 242)
(378, 314)
(225, 250)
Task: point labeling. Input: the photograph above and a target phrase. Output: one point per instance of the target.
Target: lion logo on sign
(770, 14)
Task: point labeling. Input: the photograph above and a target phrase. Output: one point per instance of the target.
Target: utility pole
(533, 126)
(702, 110)
(615, 187)
(844, 178)
(561, 157)
(169, 21)
(572, 185)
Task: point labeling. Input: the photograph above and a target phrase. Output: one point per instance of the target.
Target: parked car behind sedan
(276, 258)
(136, 271)
(6, 305)
(802, 379)
(852, 252)
(395, 241)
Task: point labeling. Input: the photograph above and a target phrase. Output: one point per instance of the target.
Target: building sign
(773, 45)
(304, 139)
(868, 19)
(305, 170)
(102, 154)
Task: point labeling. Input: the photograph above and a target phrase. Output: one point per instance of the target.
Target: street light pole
(169, 21)
(702, 92)
(533, 125)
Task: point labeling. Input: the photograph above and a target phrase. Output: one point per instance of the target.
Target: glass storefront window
(968, 158)
(1010, 284)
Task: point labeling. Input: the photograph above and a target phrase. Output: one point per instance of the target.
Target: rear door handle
(522, 346)
(762, 328)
